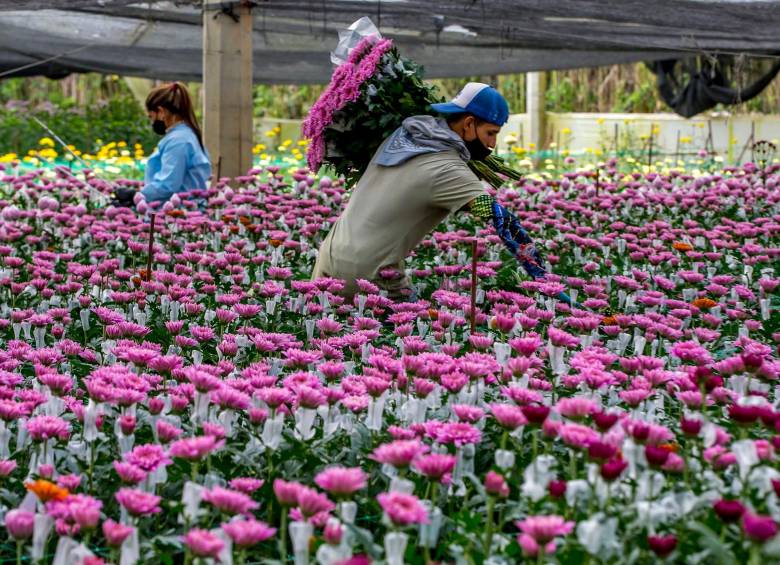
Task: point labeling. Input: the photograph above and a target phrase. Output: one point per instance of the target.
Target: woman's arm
(169, 179)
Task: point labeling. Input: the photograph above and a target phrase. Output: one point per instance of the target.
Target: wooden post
(677, 149)
(598, 178)
(151, 248)
(617, 140)
(536, 84)
(650, 147)
(227, 85)
(473, 313)
(752, 141)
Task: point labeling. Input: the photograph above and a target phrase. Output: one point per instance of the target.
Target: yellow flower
(600, 121)
(8, 157)
(567, 131)
(122, 144)
(46, 142)
(47, 153)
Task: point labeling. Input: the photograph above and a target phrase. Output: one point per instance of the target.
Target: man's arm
(508, 227)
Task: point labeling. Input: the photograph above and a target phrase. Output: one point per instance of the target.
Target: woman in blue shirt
(180, 163)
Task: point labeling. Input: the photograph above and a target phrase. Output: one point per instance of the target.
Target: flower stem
(489, 527)
(283, 537)
(91, 471)
(755, 555)
(19, 546)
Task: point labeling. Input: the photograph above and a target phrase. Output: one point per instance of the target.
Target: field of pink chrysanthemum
(221, 406)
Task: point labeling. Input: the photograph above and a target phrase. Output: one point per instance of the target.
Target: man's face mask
(477, 149)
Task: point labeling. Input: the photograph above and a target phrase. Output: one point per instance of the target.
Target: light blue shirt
(179, 164)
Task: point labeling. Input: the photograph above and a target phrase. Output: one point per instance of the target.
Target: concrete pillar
(227, 88)
(535, 88)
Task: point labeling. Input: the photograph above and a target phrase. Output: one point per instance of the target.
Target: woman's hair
(176, 99)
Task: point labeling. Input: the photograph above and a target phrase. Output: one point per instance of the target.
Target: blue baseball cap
(480, 99)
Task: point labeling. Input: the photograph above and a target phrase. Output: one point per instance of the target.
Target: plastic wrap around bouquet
(372, 90)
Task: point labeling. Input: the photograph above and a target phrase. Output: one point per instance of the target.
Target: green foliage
(285, 100)
(118, 119)
(562, 96)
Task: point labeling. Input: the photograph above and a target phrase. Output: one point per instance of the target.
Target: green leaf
(718, 550)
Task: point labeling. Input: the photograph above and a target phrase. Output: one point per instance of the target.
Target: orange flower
(275, 242)
(704, 303)
(46, 490)
(682, 246)
(175, 213)
(246, 220)
(609, 321)
(670, 447)
(228, 218)
(433, 314)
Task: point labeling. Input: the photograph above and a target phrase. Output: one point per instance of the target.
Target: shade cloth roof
(451, 38)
